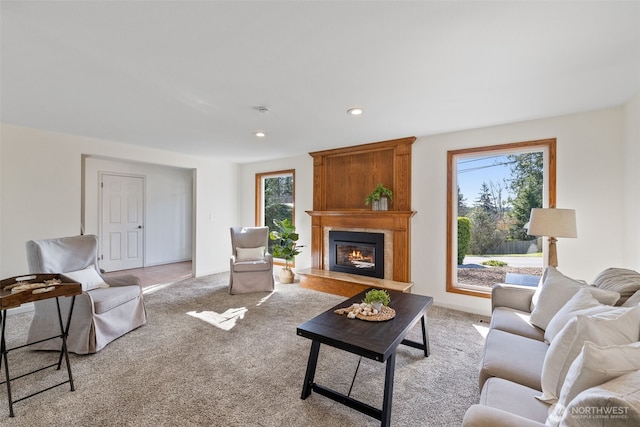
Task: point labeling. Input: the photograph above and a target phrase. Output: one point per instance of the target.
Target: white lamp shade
(552, 222)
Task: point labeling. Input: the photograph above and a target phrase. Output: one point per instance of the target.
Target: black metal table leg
(311, 369)
(388, 390)
(425, 336)
(64, 331)
(3, 351)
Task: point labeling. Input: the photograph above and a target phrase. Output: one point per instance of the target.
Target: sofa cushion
(556, 290)
(514, 398)
(608, 328)
(105, 299)
(515, 322)
(614, 403)
(581, 303)
(621, 280)
(512, 357)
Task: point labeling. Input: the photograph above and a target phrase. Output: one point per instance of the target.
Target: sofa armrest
(512, 296)
(486, 416)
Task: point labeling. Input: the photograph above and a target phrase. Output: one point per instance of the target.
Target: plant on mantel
(379, 193)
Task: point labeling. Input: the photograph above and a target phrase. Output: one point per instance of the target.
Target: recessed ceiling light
(354, 111)
(260, 134)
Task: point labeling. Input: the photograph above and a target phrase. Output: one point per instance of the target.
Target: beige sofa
(537, 367)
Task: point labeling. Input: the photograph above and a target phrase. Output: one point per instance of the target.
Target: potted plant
(285, 246)
(377, 298)
(378, 198)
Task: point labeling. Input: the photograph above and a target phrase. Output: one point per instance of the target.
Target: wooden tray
(385, 313)
(9, 299)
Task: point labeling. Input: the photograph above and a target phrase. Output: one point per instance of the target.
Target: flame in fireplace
(357, 256)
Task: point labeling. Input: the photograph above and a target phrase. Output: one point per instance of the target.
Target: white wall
(631, 156)
(168, 206)
(303, 166)
(40, 193)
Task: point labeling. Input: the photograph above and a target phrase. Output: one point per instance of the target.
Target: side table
(9, 299)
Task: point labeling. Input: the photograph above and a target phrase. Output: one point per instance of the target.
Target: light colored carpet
(207, 358)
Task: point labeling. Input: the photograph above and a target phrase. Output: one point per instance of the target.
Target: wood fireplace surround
(342, 179)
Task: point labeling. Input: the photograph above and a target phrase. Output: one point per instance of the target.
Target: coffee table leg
(311, 369)
(425, 336)
(388, 390)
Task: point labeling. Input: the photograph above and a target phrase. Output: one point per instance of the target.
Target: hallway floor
(158, 274)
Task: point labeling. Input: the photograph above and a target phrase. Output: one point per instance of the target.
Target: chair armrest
(486, 416)
(123, 280)
(512, 296)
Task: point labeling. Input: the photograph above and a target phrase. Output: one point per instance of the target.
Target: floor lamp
(552, 222)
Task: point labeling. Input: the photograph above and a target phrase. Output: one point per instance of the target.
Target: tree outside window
(488, 219)
(275, 195)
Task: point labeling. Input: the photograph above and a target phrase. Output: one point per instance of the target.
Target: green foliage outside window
(278, 202)
(464, 237)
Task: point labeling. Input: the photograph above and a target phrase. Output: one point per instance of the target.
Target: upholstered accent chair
(251, 266)
(108, 307)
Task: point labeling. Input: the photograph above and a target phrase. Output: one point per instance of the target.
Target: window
(275, 196)
(497, 207)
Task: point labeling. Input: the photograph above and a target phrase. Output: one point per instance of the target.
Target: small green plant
(494, 263)
(285, 238)
(377, 295)
(379, 192)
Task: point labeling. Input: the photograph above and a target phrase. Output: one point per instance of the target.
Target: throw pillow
(583, 303)
(556, 290)
(614, 403)
(633, 301)
(596, 365)
(616, 327)
(250, 254)
(88, 278)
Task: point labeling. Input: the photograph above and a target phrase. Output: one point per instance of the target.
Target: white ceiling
(187, 75)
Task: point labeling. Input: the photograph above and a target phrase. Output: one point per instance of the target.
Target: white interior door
(122, 226)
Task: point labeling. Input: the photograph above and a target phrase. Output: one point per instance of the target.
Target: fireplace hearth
(357, 253)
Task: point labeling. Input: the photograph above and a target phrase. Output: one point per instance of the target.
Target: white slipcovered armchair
(108, 307)
(251, 266)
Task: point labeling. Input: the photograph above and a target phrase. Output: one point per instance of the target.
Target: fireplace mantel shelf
(363, 212)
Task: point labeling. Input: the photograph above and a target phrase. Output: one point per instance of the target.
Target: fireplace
(357, 253)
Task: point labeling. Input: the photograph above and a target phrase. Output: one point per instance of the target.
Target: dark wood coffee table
(373, 340)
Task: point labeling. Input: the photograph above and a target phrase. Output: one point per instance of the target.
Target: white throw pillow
(615, 327)
(594, 365)
(583, 303)
(88, 278)
(633, 301)
(556, 290)
(250, 254)
(614, 403)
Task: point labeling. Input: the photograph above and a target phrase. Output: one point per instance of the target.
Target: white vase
(377, 305)
(384, 204)
(375, 205)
